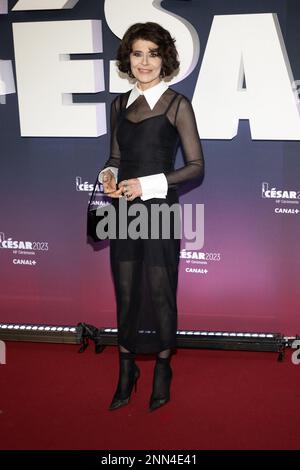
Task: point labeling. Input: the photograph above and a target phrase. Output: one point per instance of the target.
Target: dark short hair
(150, 32)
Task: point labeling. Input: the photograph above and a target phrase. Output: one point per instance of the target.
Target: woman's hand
(109, 184)
(130, 188)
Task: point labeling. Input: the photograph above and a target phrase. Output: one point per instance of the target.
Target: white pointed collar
(152, 94)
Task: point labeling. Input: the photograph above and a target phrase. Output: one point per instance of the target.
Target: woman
(147, 124)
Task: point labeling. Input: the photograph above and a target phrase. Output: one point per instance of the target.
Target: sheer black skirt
(145, 274)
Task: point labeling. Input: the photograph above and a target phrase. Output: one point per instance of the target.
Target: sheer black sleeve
(114, 158)
(186, 125)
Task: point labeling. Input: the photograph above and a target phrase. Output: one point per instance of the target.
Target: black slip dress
(145, 270)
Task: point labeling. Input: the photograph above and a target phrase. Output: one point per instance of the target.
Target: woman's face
(145, 63)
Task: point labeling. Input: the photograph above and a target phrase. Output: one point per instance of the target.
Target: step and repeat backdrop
(240, 66)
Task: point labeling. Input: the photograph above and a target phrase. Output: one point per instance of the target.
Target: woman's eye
(151, 54)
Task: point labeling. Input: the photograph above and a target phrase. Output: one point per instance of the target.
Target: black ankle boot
(128, 376)
(161, 383)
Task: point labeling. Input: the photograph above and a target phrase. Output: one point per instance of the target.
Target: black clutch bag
(97, 199)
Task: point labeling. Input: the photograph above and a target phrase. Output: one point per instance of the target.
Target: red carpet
(54, 398)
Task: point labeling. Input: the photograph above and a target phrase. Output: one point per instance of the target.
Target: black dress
(145, 271)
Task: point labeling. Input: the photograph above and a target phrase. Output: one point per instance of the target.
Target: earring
(162, 73)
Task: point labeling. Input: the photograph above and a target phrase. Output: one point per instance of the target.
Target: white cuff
(153, 186)
(113, 169)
